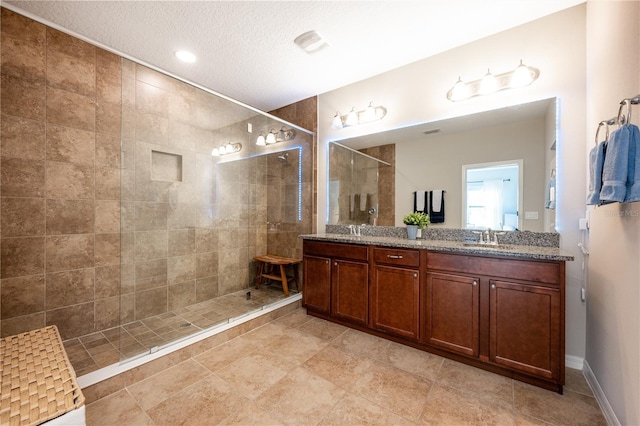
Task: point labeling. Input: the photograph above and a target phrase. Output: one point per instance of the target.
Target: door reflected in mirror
(492, 195)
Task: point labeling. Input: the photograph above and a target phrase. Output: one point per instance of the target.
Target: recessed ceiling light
(185, 56)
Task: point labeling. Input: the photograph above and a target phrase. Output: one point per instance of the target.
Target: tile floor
(300, 370)
(97, 350)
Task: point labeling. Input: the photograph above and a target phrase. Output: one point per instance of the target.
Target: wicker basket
(37, 380)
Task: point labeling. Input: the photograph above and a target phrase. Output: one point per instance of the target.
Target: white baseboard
(574, 362)
(598, 393)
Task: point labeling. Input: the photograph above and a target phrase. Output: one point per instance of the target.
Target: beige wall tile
(69, 288)
(108, 76)
(22, 177)
(68, 180)
(22, 217)
(107, 216)
(66, 252)
(152, 128)
(21, 256)
(151, 99)
(73, 321)
(23, 58)
(151, 268)
(107, 281)
(182, 242)
(181, 215)
(108, 118)
(107, 151)
(151, 302)
(127, 308)
(206, 239)
(181, 269)
(22, 27)
(69, 45)
(70, 145)
(22, 296)
(21, 324)
(207, 288)
(150, 245)
(69, 216)
(207, 264)
(71, 110)
(150, 216)
(107, 313)
(182, 294)
(107, 183)
(22, 138)
(107, 249)
(71, 73)
(22, 98)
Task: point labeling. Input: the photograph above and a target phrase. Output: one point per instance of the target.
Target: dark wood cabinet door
(349, 291)
(452, 313)
(394, 301)
(316, 294)
(525, 328)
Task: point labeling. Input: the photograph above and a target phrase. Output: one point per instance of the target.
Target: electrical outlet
(583, 224)
(583, 294)
(531, 215)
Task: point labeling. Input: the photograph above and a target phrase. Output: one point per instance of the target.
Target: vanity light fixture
(226, 149)
(367, 115)
(273, 136)
(522, 75)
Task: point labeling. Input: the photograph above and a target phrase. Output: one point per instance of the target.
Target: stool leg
(285, 286)
(295, 275)
(259, 276)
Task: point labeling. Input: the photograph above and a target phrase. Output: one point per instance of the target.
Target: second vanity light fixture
(370, 113)
(522, 76)
(273, 136)
(229, 148)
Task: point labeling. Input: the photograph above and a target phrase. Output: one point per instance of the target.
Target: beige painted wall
(514, 141)
(613, 289)
(416, 93)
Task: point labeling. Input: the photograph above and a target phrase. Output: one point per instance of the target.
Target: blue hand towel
(616, 167)
(596, 161)
(633, 177)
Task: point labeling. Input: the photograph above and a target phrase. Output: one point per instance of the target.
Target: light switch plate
(531, 215)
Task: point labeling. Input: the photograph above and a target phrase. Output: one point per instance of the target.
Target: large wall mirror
(434, 156)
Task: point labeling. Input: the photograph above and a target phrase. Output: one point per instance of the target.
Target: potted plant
(415, 221)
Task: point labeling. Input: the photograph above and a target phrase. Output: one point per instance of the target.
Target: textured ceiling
(245, 49)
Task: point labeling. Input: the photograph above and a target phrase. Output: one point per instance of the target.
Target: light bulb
(336, 123)
(260, 141)
(488, 84)
(352, 118)
(271, 137)
(282, 136)
(521, 76)
(229, 148)
(369, 114)
(459, 91)
(215, 152)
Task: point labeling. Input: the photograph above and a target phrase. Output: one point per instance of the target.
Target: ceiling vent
(311, 42)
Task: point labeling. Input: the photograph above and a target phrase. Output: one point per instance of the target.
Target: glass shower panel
(353, 187)
(194, 213)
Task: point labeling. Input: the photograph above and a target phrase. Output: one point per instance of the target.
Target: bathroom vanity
(499, 308)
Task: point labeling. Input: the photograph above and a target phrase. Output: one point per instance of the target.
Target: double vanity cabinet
(486, 308)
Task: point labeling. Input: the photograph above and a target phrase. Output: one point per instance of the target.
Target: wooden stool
(271, 260)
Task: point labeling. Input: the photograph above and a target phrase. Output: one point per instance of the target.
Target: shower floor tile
(97, 350)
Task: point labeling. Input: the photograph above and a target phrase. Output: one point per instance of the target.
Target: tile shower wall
(185, 225)
(59, 185)
(386, 182)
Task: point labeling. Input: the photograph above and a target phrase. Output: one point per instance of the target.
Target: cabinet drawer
(528, 270)
(337, 250)
(391, 256)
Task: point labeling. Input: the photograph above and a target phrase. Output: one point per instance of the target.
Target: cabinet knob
(493, 286)
(335, 264)
(475, 283)
(415, 275)
(326, 262)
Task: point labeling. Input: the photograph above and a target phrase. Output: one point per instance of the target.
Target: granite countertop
(504, 250)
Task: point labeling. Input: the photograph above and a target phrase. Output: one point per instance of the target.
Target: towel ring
(622, 119)
(606, 137)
